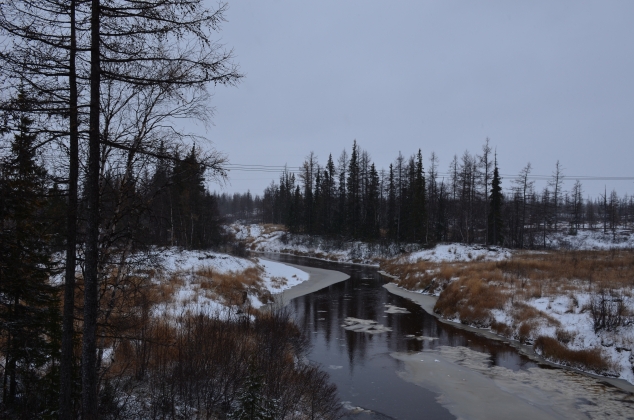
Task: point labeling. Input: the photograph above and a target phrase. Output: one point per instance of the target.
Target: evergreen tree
(353, 192)
(372, 205)
(252, 404)
(496, 223)
(391, 206)
(318, 203)
(419, 204)
(342, 204)
(30, 322)
(329, 195)
(187, 195)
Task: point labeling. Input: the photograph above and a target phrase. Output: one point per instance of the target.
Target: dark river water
(360, 364)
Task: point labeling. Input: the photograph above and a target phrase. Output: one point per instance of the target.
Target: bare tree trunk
(66, 359)
(89, 347)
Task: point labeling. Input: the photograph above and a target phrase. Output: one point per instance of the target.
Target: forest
(410, 204)
(98, 172)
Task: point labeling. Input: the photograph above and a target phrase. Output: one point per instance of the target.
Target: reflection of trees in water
(362, 296)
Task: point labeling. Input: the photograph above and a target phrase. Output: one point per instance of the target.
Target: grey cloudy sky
(543, 80)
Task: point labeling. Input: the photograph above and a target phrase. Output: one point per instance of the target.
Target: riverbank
(318, 279)
(427, 303)
(468, 375)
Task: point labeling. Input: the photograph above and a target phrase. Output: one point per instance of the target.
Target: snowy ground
(572, 321)
(460, 252)
(592, 240)
(271, 238)
(564, 315)
(190, 297)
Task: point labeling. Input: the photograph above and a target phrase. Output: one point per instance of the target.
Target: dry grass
(470, 291)
(232, 288)
(551, 349)
(268, 228)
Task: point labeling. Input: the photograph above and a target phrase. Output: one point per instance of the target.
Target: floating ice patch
(420, 337)
(347, 405)
(391, 309)
(364, 325)
(474, 388)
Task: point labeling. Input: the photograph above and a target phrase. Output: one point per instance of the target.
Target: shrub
(587, 359)
(608, 310)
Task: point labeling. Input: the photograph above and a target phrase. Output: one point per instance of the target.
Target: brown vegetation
(470, 291)
(194, 365)
(195, 368)
(232, 288)
(557, 352)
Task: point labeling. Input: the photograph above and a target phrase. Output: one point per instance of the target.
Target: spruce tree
(391, 206)
(252, 404)
(495, 208)
(354, 201)
(30, 322)
(419, 202)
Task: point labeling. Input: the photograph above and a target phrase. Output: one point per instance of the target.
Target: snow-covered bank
(592, 240)
(553, 302)
(460, 252)
(259, 280)
(275, 239)
(319, 279)
(194, 278)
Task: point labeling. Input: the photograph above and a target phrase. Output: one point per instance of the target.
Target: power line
(241, 167)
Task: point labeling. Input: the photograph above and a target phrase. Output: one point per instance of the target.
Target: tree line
(94, 168)
(412, 203)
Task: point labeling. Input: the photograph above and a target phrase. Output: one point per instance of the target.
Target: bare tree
(556, 183)
(525, 189)
(485, 165)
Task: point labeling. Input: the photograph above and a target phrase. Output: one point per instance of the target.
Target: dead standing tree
(139, 44)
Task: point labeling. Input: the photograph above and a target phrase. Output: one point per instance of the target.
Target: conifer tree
(495, 235)
(29, 306)
(252, 404)
(391, 205)
(354, 202)
(419, 203)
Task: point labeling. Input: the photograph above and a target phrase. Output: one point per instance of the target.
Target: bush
(587, 359)
(608, 310)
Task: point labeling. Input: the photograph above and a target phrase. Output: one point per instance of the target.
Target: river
(411, 366)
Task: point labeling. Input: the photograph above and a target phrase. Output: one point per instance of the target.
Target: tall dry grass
(197, 367)
(470, 291)
(233, 288)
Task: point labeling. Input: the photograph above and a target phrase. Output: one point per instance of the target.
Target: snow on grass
(460, 252)
(537, 298)
(175, 259)
(279, 277)
(592, 240)
(576, 324)
(274, 238)
(192, 273)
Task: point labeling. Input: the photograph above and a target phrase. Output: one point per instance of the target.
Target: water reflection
(360, 363)
(386, 374)
(362, 296)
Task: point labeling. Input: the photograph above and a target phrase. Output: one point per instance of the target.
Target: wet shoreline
(427, 302)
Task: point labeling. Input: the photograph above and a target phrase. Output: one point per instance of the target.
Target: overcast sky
(543, 80)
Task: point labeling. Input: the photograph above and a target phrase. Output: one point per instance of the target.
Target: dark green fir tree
(495, 209)
(252, 403)
(29, 307)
